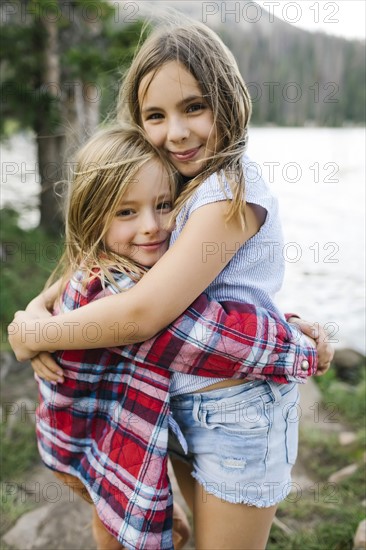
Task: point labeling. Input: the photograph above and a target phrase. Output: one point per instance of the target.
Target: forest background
(61, 65)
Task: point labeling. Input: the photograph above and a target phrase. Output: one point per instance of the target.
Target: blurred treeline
(61, 64)
(296, 77)
(62, 60)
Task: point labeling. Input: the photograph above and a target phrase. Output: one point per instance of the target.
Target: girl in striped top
(185, 91)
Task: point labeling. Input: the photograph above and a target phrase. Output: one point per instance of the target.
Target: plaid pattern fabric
(107, 424)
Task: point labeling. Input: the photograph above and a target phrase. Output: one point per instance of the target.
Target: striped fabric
(107, 424)
(255, 273)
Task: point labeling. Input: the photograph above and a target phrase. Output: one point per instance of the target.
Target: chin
(189, 172)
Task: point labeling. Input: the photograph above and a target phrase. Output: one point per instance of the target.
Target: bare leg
(222, 525)
(185, 481)
(102, 537)
(181, 528)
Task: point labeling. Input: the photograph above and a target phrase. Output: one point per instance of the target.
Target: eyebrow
(164, 196)
(181, 103)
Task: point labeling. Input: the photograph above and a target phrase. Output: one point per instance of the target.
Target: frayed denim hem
(212, 488)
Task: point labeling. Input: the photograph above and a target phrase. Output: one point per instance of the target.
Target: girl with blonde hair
(185, 92)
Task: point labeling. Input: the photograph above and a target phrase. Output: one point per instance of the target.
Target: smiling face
(177, 118)
(139, 227)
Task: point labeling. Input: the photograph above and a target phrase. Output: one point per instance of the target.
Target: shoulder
(216, 188)
(257, 191)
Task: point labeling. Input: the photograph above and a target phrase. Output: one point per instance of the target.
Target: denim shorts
(242, 440)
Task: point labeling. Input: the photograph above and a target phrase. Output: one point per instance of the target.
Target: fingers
(325, 352)
(18, 313)
(324, 349)
(310, 329)
(45, 366)
(322, 369)
(21, 352)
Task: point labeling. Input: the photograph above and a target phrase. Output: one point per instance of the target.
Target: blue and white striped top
(256, 271)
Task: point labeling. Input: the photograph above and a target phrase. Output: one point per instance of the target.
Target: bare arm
(42, 304)
(206, 244)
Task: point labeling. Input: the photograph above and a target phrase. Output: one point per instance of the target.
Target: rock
(25, 531)
(348, 365)
(345, 472)
(314, 413)
(289, 532)
(61, 526)
(310, 395)
(359, 541)
(62, 520)
(346, 438)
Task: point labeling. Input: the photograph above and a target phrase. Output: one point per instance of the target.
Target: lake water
(318, 175)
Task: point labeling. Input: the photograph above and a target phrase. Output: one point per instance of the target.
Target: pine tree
(60, 62)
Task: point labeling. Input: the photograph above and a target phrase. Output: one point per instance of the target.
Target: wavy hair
(201, 52)
(105, 168)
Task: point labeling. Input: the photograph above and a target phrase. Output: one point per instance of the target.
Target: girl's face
(139, 228)
(177, 118)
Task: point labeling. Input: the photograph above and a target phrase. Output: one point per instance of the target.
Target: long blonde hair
(105, 168)
(211, 63)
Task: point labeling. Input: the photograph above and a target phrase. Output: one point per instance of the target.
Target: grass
(327, 515)
(19, 455)
(349, 399)
(18, 450)
(27, 259)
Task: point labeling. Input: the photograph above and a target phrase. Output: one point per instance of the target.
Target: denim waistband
(269, 391)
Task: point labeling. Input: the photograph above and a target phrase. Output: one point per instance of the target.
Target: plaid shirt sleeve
(229, 340)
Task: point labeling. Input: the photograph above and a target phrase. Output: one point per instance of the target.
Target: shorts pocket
(236, 417)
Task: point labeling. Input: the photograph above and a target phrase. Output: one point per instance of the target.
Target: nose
(178, 129)
(150, 222)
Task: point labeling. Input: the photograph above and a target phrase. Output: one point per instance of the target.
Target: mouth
(185, 155)
(151, 246)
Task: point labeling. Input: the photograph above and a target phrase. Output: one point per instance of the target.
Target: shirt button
(304, 364)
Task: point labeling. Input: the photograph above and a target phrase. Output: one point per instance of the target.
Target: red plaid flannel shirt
(107, 424)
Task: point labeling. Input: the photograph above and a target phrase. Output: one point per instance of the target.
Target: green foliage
(326, 515)
(296, 77)
(350, 400)
(21, 60)
(18, 450)
(19, 454)
(27, 259)
(91, 49)
(335, 533)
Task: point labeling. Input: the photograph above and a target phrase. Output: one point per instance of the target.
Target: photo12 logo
(253, 12)
(90, 11)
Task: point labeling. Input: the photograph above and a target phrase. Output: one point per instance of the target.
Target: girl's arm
(42, 305)
(228, 340)
(201, 247)
(206, 244)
